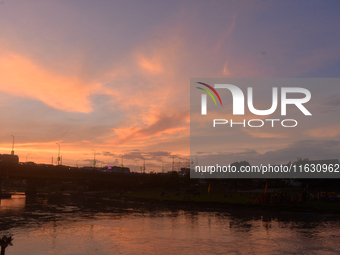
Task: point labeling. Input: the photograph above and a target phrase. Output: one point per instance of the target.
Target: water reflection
(15, 204)
(69, 225)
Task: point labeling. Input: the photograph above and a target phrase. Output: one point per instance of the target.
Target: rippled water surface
(69, 226)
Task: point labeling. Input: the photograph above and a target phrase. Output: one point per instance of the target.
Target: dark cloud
(330, 103)
(312, 149)
(99, 163)
(107, 154)
(135, 155)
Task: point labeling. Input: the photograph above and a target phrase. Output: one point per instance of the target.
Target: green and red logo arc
(209, 93)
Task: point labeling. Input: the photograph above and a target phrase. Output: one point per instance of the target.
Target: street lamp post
(26, 157)
(12, 152)
(173, 163)
(122, 165)
(143, 165)
(162, 166)
(58, 153)
(94, 158)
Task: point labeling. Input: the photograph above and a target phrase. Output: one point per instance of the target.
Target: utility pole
(94, 158)
(173, 163)
(12, 152)
(143, 165)
(58, 154)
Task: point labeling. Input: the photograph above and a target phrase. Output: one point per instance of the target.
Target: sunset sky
(114, 76)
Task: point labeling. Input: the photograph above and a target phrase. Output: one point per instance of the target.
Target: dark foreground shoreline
(155, 203)
(153, 200)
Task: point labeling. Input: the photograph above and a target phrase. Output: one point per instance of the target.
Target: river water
(88, 226)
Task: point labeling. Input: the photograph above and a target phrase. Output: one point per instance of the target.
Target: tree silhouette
(4, 242)
(302, 160)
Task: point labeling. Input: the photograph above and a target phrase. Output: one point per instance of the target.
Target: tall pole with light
(173, 163)
(12, 152)
(179, 164)
(58, 153)
(26, 157)
(122, 165)
(94, 158)
(143, 165)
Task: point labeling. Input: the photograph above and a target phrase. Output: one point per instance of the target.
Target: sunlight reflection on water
(41, 227)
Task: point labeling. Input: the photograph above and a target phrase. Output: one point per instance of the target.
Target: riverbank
(202, 200)
(214, 202)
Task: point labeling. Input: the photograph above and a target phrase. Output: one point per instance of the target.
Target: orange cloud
(153, 65)
(22, 77)
(162, 127)
(226, 72)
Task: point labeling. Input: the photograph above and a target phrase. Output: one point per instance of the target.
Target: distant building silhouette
(185, 170)
(9, 159)
(117, 169)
